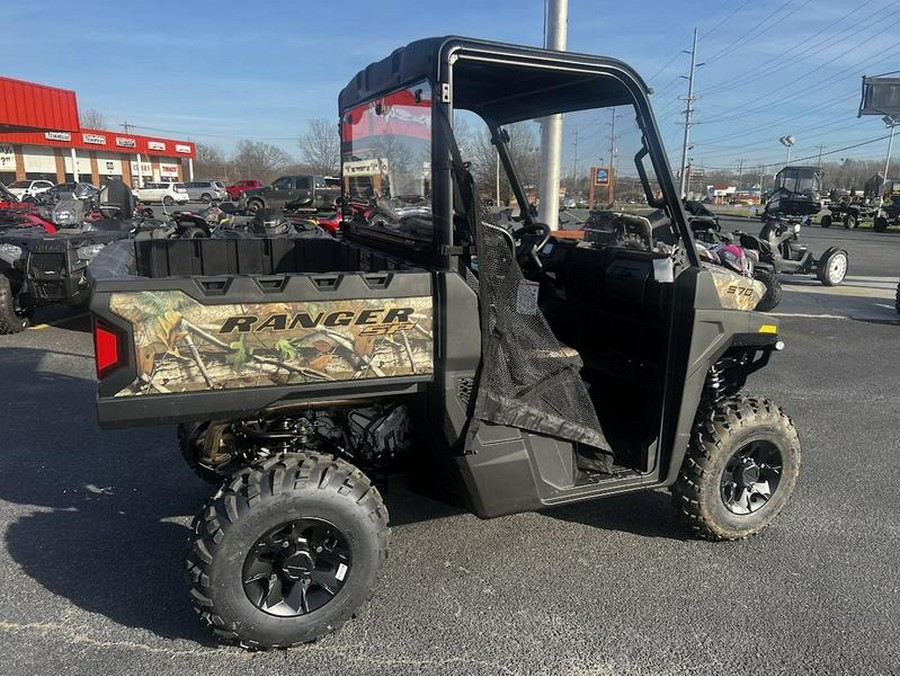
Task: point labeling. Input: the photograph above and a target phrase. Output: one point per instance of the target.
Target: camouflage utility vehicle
(509, 368)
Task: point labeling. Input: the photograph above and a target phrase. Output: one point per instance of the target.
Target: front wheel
(11, 321)
(897, 300)
(826, 221)
(772, 296)
(740, 469)
(206, 198)
(880, 224)
(832, 267)
(850, 222)
(254, 205)
(168, 201)
(287, 551)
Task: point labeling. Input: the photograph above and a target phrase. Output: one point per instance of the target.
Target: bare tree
(212, 163)
(256, 159)
(320, 147)
(91, 118)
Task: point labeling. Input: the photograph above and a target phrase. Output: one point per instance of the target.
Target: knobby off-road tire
(260, 500)
(897, 300)
(772, 297)
(10, 320)
(880, 225)
(826, 221)
(850, 222)
(702, 491)
(168, 201)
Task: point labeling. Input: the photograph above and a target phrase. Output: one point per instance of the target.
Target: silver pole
(551, 127)
(687, 117)
(75, 165)
(497, 176)
(887, 163)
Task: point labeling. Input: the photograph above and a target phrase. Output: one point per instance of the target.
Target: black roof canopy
(501, 82)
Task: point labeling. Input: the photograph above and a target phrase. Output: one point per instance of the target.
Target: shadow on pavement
(110, 541)
(646, 513)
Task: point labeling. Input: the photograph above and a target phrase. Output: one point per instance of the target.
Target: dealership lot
(94, 526)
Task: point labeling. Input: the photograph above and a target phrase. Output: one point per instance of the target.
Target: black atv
(796, 193)
(40, 268)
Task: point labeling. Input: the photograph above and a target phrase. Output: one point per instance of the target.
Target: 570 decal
(375, 322)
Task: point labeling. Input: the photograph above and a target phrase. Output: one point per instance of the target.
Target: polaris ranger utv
(508, 367)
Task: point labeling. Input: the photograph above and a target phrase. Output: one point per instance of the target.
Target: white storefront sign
(124, 142)
(366, 167)
(57, 136)
(181, 148)
(109, 164)
(168, 170)
(7, 158)
(94, 139)
(156, 145)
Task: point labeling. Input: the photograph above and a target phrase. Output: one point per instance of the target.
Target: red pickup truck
(234, 190)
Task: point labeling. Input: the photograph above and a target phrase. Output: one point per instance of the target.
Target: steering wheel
(532, 237)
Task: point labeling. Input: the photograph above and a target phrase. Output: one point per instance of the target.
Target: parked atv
(515, 369)
(796, 193)
(39, 267)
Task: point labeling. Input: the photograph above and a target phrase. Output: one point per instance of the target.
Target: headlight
(11, 250)
(88, 251)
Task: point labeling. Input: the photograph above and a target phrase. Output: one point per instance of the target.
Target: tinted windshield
(799, 181)
(386, 162)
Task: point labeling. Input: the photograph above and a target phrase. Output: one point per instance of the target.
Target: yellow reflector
(768, 328)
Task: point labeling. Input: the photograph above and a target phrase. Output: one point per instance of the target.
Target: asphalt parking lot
(94, 526)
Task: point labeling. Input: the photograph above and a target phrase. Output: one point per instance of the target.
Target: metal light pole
(551, 127)
(891, 122)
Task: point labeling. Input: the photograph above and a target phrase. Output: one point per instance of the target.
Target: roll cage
(504, 84)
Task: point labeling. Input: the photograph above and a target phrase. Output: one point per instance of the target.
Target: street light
(787, 141)
(890, 121)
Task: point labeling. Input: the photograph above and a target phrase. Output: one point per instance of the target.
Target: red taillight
(106, 349)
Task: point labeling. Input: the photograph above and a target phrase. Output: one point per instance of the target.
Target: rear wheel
(826, 221)
(168, 201)
(206, 198)
(772, 296)
(832, 267)
(880, 225)
(207, 449)
(287, 551)
(11, 321)
(897, 300)
(254, 205)
(850, 222)
(740, 469)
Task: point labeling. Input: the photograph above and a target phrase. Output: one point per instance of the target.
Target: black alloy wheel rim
(751, 477)
(297, 568)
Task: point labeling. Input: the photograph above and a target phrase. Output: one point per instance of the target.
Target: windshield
(801, 181)
(20, 184)
(600, 165)
(386, 163)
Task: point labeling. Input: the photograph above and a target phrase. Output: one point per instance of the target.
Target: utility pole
(127, 127)
(610, 187)
(821, 148)
(740, 175)
(551, 127)
(688, 111)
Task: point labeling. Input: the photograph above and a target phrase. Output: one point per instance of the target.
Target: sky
(216, 72)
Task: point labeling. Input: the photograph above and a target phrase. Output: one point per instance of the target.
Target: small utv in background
(509, 368)
(795, 199)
